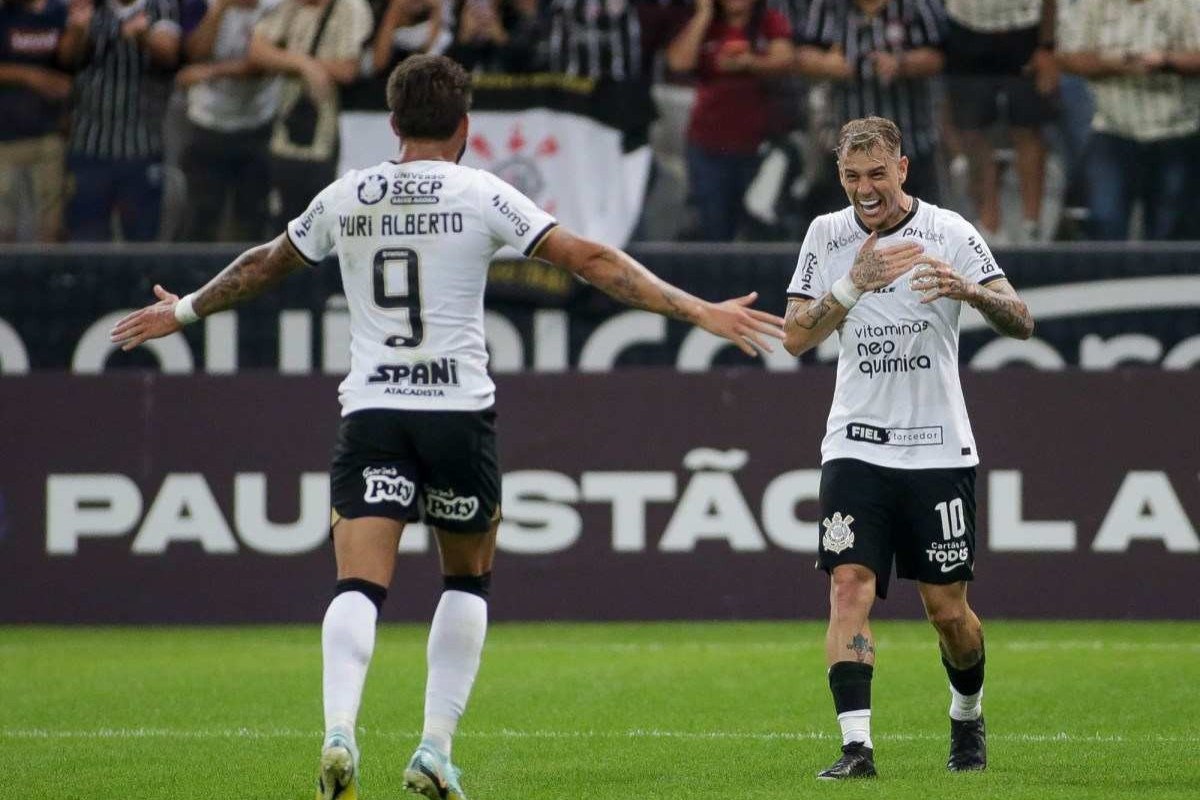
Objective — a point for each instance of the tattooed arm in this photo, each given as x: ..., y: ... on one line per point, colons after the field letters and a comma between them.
x: 252, y: 272
x: 1002, y: 308
x: 998, y: 302
x: 809, y: 322
x: 621, y: 277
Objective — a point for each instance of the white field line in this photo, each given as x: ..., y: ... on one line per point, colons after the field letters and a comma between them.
x: 882, y: 644
x: 507, y: 733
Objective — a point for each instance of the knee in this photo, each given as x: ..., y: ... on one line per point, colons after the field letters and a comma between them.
x: 949, y: 617
x: 851, y: 589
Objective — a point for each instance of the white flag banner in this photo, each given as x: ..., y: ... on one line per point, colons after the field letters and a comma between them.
x: 569, y: 164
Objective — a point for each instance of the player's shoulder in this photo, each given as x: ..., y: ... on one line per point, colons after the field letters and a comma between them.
x: 945, y: 220
x: 834, y: 232
x: 834, y: 221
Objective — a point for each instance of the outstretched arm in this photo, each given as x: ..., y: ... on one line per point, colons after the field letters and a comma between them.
x: 618, y: 275
x: 254, y: 271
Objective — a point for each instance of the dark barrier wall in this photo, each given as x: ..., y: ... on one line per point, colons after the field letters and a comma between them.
x: 1096, y: 307
x: 640, y: 494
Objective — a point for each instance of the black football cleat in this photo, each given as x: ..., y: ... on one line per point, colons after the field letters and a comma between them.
x: 857, y: 761
x: 968, y: 745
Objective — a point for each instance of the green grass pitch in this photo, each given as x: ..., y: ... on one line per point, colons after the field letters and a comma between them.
x: 707, y: 710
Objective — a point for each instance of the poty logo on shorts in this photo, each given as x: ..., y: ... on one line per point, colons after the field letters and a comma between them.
x: 444, y: 504
x: 386, y: 484
x: 838, y: 535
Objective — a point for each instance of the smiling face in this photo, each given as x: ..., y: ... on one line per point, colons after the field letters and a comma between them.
x: 873, y: 180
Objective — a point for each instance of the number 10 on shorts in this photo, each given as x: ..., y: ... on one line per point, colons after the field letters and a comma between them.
x: 954, y: 523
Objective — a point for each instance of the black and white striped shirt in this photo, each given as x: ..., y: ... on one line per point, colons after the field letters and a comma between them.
x: 120, y: 98
x: 995, y: 16
x: 595, y: 39
x: 1160, y: 105
x: 899, y: 25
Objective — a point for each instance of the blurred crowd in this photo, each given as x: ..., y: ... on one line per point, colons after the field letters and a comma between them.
x: 207, y: 120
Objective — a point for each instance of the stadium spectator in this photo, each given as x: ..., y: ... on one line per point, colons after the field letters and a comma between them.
x: 407, y: 448
x: 496, y: 35
x: 231, y: 108
x: 1000, y: 66
x: 407, y: 27
x: 881, y: 56
x: 33, y: 94
x: 599, y: 39
x: 1142, y: 59
x: 1075, y: 111
x: 731, y: 45
x: 125, y: 51
x: 315, y: 45
x: 898, y: 458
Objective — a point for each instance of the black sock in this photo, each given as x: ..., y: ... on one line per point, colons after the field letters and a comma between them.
x: 850, y: 682
x: 966, y: 681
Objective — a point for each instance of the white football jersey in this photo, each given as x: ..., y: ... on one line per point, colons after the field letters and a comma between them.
x: 414, y: 241
x: 898, y: 401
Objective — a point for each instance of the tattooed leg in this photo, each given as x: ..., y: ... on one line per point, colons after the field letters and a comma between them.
x: 862, y: 648
x: 851, y: 595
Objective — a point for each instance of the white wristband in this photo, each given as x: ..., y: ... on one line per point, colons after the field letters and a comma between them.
x: 845, y: 292
x: 184, y: 312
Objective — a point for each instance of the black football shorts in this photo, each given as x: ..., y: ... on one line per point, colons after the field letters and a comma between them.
x: 439, y: 467
x: 923, y: 519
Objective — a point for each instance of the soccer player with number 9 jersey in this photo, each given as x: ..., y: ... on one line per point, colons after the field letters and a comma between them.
x: 414, y: 238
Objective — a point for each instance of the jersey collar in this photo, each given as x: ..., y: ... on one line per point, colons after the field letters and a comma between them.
x: 912, y: 212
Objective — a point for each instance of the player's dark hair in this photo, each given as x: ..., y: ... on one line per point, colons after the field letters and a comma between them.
x: 866, y: 134
x: 428, y: 96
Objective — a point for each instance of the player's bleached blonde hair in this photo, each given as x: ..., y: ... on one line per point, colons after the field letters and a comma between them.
x: 866, y: 134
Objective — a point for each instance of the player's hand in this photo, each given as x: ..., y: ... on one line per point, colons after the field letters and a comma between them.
x: 875, y: 268
x: 746, y: 327
x: 938, y: 279
x: 151, y: 322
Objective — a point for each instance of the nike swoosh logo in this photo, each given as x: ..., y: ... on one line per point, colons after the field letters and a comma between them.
x: 951, y: 567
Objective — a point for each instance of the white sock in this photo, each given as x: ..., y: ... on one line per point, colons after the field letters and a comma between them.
x: 347, y: 641
x: 856, y: 727
x: 455, y: 645
x: 966, y: 706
